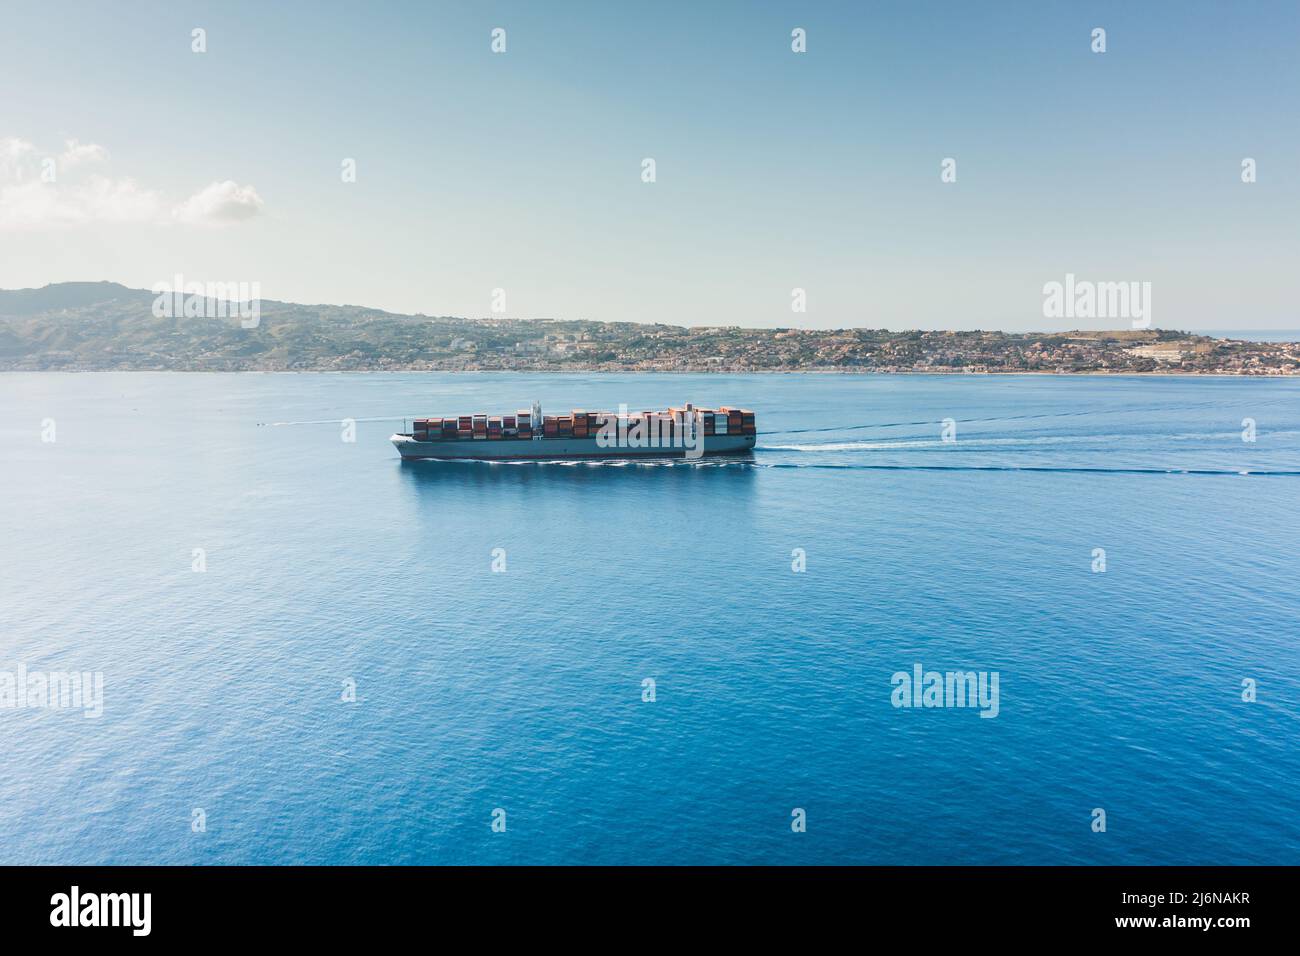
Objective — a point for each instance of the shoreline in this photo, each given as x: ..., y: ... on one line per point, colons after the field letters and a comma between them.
x: 597, y: 371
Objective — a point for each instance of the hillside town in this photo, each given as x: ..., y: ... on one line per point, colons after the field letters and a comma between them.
x: 595, y: 346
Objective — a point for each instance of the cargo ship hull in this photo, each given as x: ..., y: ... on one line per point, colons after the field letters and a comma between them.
x: 515, y: 449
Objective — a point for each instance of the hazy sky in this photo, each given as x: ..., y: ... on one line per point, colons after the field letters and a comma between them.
x: 775, y: 170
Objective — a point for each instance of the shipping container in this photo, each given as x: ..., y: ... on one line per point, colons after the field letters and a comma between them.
x: 668, y: 425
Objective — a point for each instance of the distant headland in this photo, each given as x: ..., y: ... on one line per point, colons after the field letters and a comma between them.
x: 94, y: 326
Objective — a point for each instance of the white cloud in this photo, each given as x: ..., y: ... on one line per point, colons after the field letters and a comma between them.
x: 14, y: 155
x: 97, y: 199
x: 12, y: 147
x: 220, y: 202
x: 38, y: 191
x: 74, y: 154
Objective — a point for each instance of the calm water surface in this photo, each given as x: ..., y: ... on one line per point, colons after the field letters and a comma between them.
x: 329, y: 561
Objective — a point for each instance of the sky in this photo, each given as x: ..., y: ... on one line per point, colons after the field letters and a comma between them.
x: 523, y: 170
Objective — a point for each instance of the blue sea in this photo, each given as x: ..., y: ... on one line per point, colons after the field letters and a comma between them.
x: 234, y: 581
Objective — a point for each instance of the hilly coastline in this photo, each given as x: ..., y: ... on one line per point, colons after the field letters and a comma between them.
x: 90, y: 326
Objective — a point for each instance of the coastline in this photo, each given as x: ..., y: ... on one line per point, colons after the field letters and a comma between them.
x: 571, y: 370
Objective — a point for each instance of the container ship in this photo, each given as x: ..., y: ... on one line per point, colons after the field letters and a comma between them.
x: 686, y: 432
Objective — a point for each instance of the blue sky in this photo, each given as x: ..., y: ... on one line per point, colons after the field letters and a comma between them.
x: 775, y: 170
